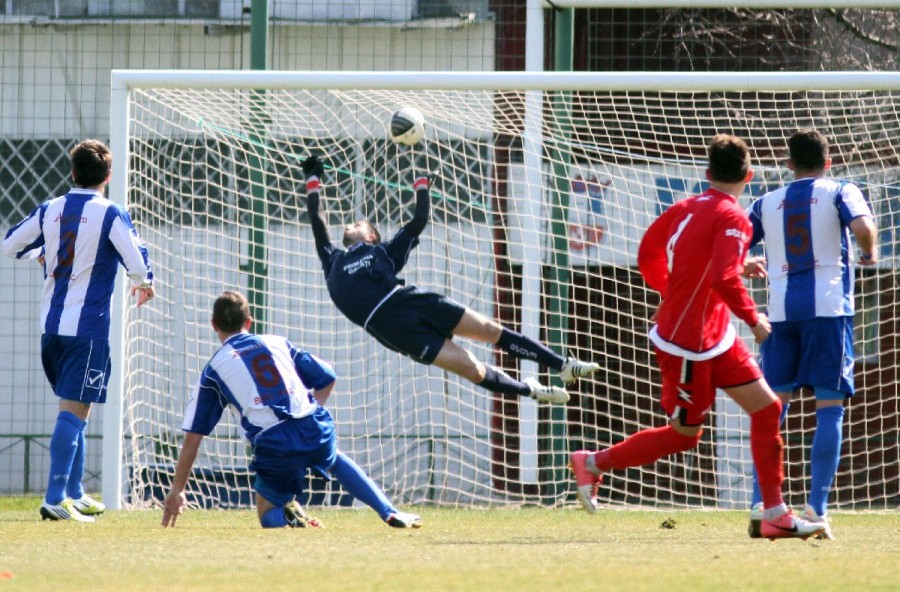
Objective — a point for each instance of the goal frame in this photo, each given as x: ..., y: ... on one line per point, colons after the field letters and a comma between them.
x: 123, y: 82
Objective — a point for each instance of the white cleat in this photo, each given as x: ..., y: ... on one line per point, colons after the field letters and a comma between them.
x: 556, y: 395
x: 296, y: 517
x: 404, y: 520
x: 64, y: 510
x: 810, y: 515
x: 574, y: 369
x: 89, y: 506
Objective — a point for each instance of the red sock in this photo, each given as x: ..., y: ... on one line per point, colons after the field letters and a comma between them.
x: 768, y: 453
x: 645, y: 447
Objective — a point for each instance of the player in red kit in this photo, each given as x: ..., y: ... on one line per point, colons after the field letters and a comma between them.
x: 693, y: 256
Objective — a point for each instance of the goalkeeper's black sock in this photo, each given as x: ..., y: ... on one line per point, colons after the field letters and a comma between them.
x: 527, y: 348
x: 498, y: 381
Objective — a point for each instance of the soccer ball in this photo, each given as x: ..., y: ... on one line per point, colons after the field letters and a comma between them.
x: 407, y: 126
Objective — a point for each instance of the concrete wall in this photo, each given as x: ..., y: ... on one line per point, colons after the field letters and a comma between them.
x: 54, y: 79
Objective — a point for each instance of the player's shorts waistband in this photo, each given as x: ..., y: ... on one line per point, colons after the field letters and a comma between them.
x: 676, y: 350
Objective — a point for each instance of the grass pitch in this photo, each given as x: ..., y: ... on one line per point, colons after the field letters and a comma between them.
x: 468, y: 550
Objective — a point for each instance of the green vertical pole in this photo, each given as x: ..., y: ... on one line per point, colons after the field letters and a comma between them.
x: 259, y: 34
x: 558, y: 274
x: 257, y: 267
x: 26, y: 467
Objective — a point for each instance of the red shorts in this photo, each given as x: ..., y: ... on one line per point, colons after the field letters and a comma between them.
x: 689, y: 387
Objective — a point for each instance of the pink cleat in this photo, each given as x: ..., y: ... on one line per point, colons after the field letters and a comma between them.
x: 788, y: 526
x: 586, y: 482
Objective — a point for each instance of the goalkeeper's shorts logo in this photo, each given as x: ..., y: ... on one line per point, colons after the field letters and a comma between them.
x: 94, y: 379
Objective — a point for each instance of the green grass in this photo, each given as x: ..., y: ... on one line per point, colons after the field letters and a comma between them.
x: 477, y: 550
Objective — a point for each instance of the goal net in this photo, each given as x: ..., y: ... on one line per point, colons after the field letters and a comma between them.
x: 543, y: 187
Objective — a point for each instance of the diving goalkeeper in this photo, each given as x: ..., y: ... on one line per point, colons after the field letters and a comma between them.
x: 363, y: 284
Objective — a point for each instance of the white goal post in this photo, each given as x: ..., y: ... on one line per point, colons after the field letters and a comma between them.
x: 534, y: 224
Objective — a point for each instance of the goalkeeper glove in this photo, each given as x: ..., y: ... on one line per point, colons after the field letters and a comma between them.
x: 312, y: 167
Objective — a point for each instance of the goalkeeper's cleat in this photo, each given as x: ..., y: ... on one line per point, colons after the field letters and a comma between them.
x: 788, y: 526
x: 404, y: 520
x: 756, y: 518
x: 89, y: 506
x: 64, y: 510
x: 296, y: 517
x: 574, y: 369
x: 586, y: 481
x: 810, y: 515
x: 547, y: 394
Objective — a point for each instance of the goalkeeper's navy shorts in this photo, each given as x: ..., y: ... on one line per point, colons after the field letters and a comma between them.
x: 415, y: 323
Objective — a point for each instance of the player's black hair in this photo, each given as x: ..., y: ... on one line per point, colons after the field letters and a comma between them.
x: 91, y: 163
x: 729, y: 159
x: 808, y: 150
x: 230, y: 311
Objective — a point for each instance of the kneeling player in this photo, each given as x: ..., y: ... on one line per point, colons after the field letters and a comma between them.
x: 276, y: 391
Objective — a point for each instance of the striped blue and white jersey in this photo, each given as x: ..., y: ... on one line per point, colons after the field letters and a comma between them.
x: 809, y: 256
x: 83, y: 238
x: 263, y: 379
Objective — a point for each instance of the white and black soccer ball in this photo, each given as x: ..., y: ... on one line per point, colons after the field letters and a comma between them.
x: 407, y: 126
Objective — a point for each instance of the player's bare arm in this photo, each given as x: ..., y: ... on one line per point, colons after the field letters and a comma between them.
x: 145, y: 293
x: 863, y: 228
x: 754, y: 268
x: 176, y: 501
x: 321, y: 395
x: 762, y: 329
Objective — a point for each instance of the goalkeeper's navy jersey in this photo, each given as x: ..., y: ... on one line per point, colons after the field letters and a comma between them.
x: 361, y: 278
x: 266, y: 382
x: 83, y: 238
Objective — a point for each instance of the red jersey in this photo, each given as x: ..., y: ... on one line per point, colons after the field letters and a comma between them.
x: 693, y: 255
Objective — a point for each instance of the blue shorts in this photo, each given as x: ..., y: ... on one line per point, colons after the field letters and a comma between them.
x: 416, y: 323
x: 816, y: 353
x: 281, y: 474
x: 77, y: 367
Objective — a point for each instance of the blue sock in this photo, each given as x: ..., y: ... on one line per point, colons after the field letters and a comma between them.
x: 360, y: 486
x: 274, y: 518
x: 74, y: 488
x: 63, y: 445
x: 756, y: 496
x: 825, y: 455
